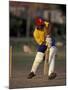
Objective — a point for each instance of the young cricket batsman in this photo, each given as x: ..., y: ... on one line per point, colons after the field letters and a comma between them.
x: 42, y: 36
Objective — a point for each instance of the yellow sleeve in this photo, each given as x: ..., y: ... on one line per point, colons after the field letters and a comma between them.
x: 37, y: 37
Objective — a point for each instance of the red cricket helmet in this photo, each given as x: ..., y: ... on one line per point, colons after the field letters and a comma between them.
x: 39, y: 21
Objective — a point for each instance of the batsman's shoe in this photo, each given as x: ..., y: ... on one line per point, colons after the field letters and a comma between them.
x: 52, y: 76
x: 31, y: 75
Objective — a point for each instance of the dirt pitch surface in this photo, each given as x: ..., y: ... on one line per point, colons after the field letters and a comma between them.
x: 21, y: 68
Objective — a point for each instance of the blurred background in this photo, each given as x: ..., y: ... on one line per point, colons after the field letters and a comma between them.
x: 22, y: 15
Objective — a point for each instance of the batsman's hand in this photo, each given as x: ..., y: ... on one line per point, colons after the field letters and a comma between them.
x: 48, y: 41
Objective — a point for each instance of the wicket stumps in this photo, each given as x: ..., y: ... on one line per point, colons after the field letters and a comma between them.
x: 10, y: 62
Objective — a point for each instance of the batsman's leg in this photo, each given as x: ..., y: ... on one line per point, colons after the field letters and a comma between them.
x: 37, y: 61
x: 52, y: 54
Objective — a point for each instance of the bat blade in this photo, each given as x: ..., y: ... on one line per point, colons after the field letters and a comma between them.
x: 46, y: 64
x: 46, y: 67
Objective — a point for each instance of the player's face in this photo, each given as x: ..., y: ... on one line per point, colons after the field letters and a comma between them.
x: 41, y: 27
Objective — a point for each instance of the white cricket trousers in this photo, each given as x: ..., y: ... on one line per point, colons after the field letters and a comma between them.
x: 52, y: 54
x: 37, y: 61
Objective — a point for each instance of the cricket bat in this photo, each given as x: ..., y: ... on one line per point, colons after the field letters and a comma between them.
x: 46, y: 64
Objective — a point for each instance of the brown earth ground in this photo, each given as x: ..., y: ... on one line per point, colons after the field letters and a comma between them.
x: 21, y: 68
